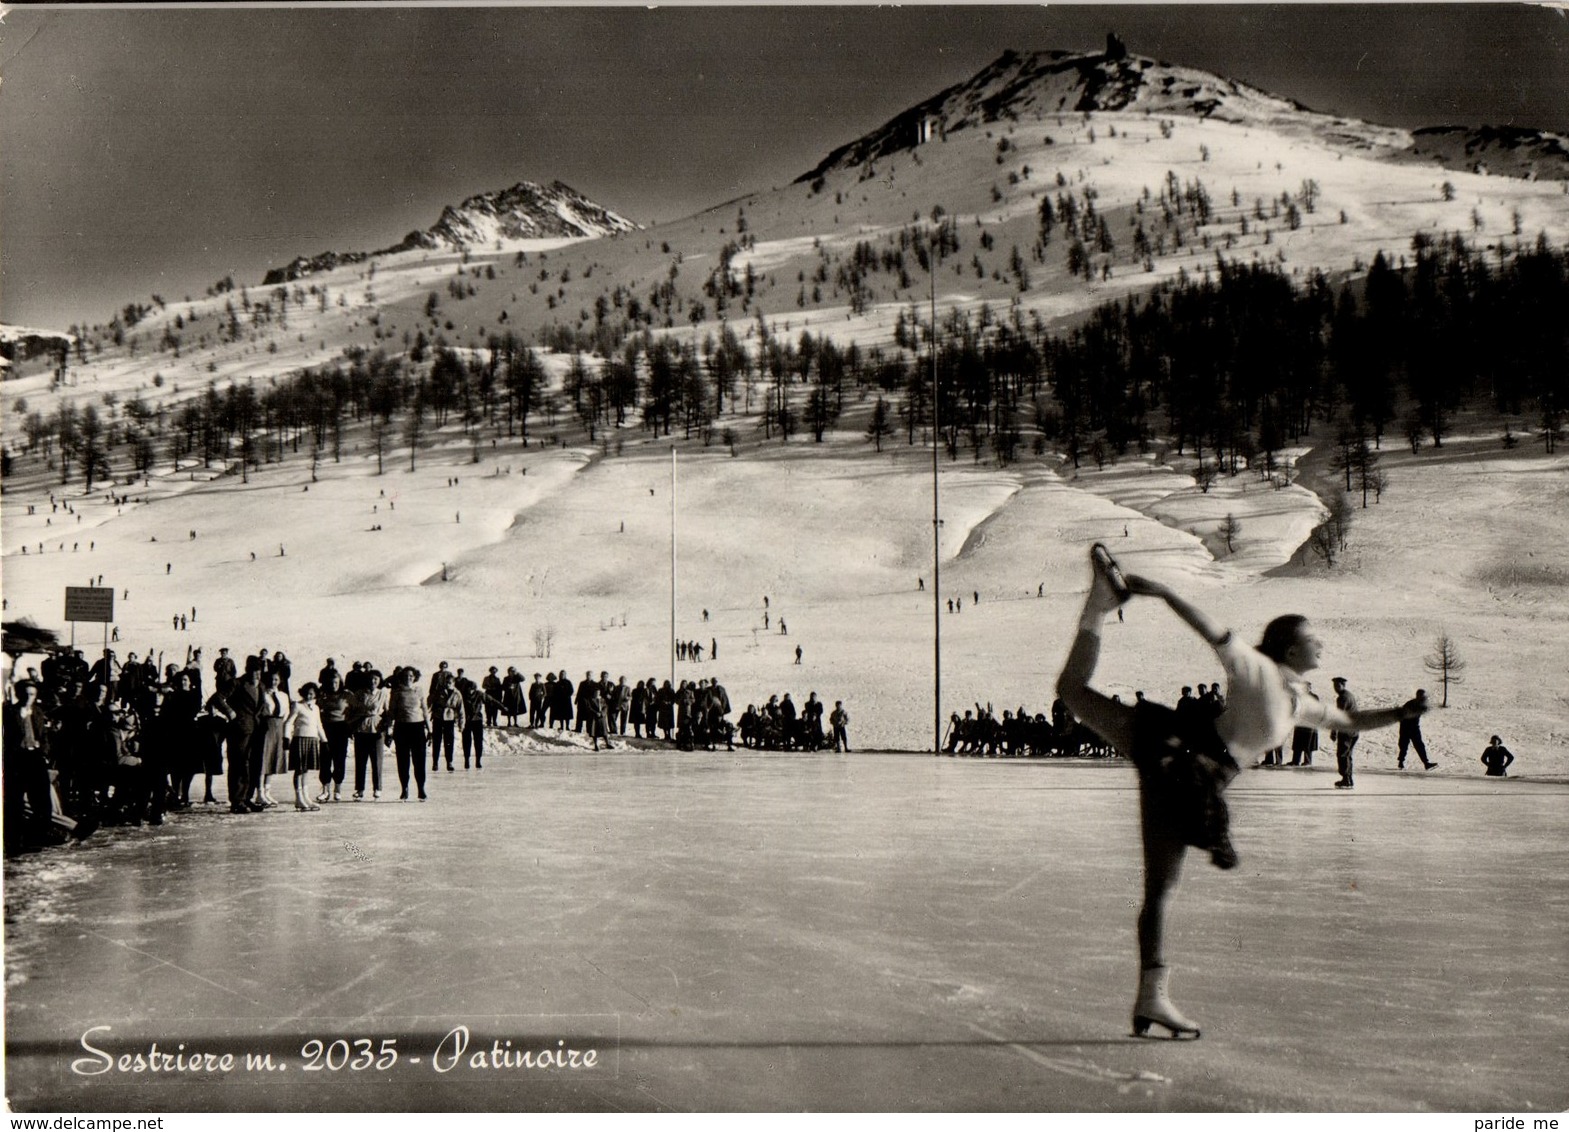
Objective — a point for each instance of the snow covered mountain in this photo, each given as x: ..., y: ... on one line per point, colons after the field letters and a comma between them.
x: 488, y: 221
x: 526, y: 211
x: 1021, y: 85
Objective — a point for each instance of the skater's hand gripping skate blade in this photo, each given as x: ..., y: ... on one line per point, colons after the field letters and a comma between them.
x: 1106, y: 567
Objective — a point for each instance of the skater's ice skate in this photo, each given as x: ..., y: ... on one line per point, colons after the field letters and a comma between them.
x: 1154, y: 1008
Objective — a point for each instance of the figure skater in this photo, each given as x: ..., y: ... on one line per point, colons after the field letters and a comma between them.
x: 1185, y: 761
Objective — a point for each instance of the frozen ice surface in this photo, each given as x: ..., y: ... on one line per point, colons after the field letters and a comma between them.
x: 771, y: 931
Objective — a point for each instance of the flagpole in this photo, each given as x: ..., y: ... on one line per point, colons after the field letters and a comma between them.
x: 672, y: 566
x: 936, y: 527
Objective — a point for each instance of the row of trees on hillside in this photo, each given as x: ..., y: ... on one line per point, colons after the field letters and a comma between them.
x: 1231, y: 365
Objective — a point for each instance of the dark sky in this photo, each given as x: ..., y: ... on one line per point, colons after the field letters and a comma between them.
x: 157, y: 150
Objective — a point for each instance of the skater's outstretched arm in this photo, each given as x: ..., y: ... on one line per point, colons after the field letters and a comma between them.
x: 1199, y: 621
x: 1111, y: 720
x: 1372, y: 720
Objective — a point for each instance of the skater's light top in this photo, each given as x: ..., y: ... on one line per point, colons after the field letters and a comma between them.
x: 1267, y: 698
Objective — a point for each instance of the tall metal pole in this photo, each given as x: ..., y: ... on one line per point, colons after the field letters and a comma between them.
x: 936, y: 529
x: 672, y: 566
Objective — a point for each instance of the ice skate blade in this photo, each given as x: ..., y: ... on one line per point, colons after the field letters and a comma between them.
x: 1174, y: 1032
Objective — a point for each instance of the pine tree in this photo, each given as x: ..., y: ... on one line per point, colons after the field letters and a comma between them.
x: 1444, y: 661
x: 880, y: 425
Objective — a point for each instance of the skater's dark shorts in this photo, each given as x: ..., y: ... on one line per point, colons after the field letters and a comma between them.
x: 1183, y: 768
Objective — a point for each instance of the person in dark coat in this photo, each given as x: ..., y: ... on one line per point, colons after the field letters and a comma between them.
x: 211, y: 728
x: 665, y: 709
x: 538, y: 698
x: 28, y: 806
x: 176, y: 749
x: 787, y: 717
x: 1304, y: 741
x: 1345, y: 741
x: 475, y: 703
x: 638, y: 709
x: 514, y: 702
x: 224, y: 672
x: 561, y: 706
x: 1496, y: 758
x: 1411, y: 731
x: 247, y: 733
x: 584, y: 693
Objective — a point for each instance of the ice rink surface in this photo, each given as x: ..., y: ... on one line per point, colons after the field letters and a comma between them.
x: 820, y: 932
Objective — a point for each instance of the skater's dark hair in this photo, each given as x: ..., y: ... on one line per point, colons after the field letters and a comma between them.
x: 1280, y: 634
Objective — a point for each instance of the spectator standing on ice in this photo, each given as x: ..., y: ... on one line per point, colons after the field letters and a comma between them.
x: 839, y: 720
x: 176, y: 749
x: 534, y: 702
x: 436, y: 677
x: 305, y: 735
x: 492, y: 687
x: 280, y: 665
x: 1345, y: 740
x: 334, y: 706
x: 621, y: 707
x: 223, y: 671
x: 787, y: 718
x: 514, y: 703
x: 28, y: 805
x: 665, y: 709
x: 1304, y: 741
x: 369, y: 708
x: 812, y: 721
x: 212, y: 726
x: 561, y: 706
x: 408, y: 720
x: 582, y: 700
x: 474, y: 704
x: 247, y: 732
x: 446, y: 720
x: 1411, y: 732
x: 1496, y: 758
x: 598, y: 722
x: 275, y: 752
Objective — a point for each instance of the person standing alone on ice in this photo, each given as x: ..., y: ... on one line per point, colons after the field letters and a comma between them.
x: 1185, y: 763
x: 839, y: 720
x: 1411, y: 732
x: 1496, y: 758
x: 1345, y: 741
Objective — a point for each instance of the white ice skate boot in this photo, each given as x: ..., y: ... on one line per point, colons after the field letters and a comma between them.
x: 1155, y: 1008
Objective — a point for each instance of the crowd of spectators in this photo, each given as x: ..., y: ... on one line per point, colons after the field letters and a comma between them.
x: 779, y: 726
x: 1019, y: 734
x: 128, y: 742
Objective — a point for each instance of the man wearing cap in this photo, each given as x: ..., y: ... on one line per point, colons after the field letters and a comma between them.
x: 1345, y: 741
